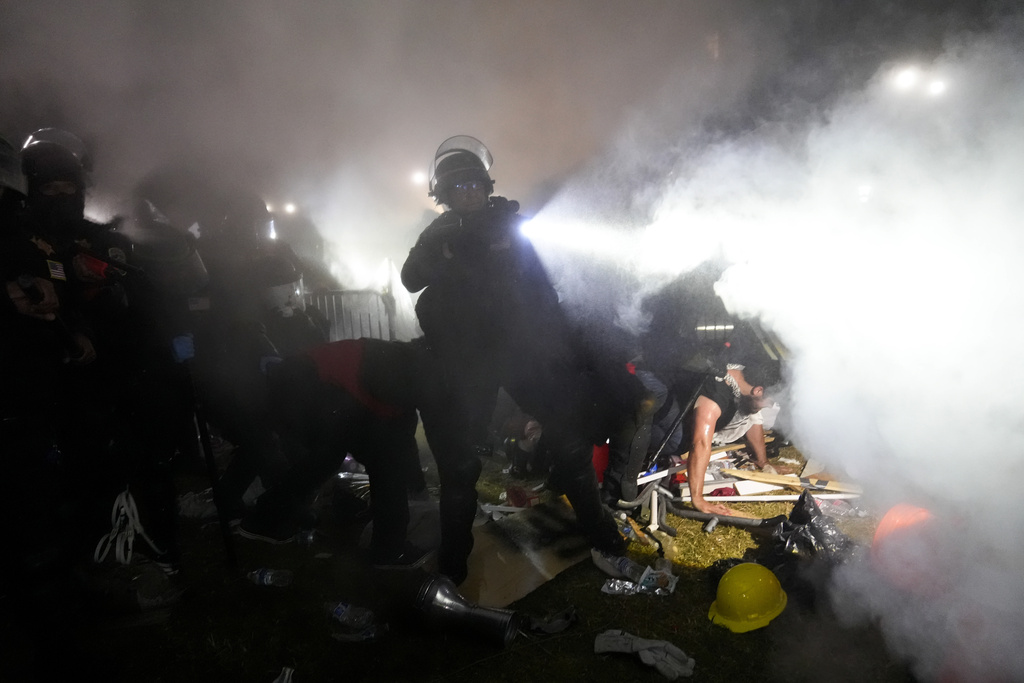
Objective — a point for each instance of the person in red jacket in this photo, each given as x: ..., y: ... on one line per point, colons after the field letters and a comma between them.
x: 355, y: 397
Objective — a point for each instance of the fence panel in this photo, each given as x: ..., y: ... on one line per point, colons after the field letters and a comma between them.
x: 355, y: 313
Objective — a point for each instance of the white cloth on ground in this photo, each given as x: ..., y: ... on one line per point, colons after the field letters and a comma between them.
x: 668, y: 659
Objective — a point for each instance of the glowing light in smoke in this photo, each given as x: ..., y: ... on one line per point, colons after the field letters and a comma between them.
x: 357, y: 271
x: 270, y: 208
x: 582, y: 236
x: 854, y: 250
x: 672, y: 244
x: 906, y: 78
x: 913, y: 79
x: 273, y: 231
x: 419, y: 178
x: 289, y: 208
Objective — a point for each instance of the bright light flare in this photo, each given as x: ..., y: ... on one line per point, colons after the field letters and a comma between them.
x: 361, y: 272
x: 419, y: 178
x: 936, y: 88
x: 906, y: 78
x: 665, y: 247
x: 577, y: 236
x: 289, y: 208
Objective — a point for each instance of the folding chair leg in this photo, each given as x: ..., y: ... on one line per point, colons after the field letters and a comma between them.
x: 655, y: 513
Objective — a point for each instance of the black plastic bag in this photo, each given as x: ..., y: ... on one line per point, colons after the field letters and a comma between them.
x: 810, y: 533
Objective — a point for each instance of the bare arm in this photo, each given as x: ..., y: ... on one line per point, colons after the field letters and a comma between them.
x: 705, y: 413
x: 755, y: 441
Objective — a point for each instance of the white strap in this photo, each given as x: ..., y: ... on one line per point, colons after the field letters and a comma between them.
x: 124, y: 521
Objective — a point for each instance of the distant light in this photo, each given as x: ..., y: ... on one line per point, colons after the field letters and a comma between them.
x: 906, y: 78
x: 270, y: 208
x: 273, y: 231
x: 864, y: 193
x: 419, y: 178
x: 936, y: 87
x: 289, y: 208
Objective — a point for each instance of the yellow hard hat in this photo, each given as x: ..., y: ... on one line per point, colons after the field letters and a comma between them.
x: 749, y: 596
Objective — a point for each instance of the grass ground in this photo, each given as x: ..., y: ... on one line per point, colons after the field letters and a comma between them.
x: 230, y: 630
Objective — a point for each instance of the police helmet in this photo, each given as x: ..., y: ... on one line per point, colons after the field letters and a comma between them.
x: 51, y: 154
x: 241, y: 224
x: 458, y: 159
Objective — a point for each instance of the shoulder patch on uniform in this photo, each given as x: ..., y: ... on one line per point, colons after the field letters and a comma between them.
x: 56, y: 270
x: 43, y: 245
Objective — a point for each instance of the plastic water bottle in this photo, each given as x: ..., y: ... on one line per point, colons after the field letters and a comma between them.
x: 347, y: 614
x: 617, y: 565
x: 271, y: 577
x: 626, y: 528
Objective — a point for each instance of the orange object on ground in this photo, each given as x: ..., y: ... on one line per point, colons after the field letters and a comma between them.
x: 899, y: 517
x: 905, y: 550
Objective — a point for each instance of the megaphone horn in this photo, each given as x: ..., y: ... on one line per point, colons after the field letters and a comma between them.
x: 442, y: 603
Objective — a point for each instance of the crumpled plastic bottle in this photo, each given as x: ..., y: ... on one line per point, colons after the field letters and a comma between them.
x: 271, y: 577
x: 347, y: 614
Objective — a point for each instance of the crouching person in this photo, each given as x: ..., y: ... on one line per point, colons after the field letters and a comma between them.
x: 347, y: 397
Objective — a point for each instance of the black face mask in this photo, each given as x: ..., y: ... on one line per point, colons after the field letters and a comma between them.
x: 58, y: 214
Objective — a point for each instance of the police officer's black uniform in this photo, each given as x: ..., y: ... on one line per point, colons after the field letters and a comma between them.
x: 491, y: 318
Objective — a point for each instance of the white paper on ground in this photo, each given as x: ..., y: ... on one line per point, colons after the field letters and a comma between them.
x: 812, y: 467
x: 749, y: 488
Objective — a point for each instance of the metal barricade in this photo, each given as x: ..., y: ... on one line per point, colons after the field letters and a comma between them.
x: 355, y: 313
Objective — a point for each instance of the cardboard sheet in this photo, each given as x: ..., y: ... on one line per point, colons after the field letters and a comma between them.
x: 517, y: 554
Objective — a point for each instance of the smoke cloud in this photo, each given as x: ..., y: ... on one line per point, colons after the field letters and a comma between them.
x: 870, y: 217
x: 334, y: 106
x: 878, y: 236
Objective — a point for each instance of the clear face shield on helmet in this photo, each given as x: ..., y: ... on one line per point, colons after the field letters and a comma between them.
x: 459, y: 144
x: 35, y: 152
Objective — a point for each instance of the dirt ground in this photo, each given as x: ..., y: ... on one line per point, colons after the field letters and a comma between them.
x: 227, y: 629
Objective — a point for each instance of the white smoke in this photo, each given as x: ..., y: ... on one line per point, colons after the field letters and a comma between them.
x: 882, y: 243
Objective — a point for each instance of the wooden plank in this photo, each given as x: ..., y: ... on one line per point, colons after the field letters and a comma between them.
x: 803, y: 482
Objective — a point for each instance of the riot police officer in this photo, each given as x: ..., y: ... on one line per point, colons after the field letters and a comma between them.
x: 38, y: 511
x: 491, y: 318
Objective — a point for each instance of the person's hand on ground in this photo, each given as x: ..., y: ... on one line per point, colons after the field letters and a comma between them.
x: 712, y: 508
